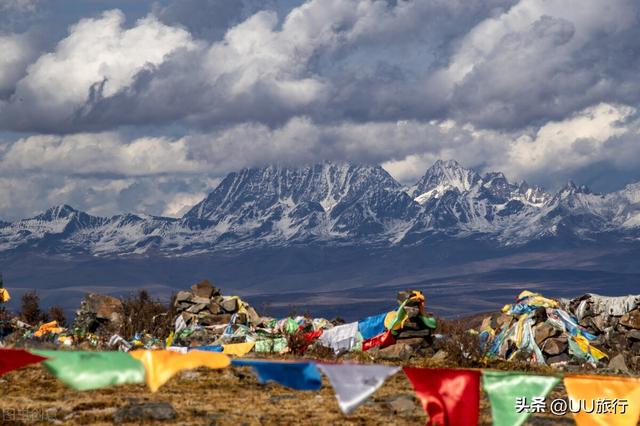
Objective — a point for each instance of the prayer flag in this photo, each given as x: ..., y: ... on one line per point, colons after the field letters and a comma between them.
x: 82, y: 370
x: 450, y: 397
x: 162, y: 365
x: 602, y: 400
x: 12, y: 359
x: 296, y: 375
x: 506, y: 389
x: 353, y: 383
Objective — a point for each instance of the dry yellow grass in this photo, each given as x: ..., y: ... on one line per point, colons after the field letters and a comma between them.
x: 204, y: 397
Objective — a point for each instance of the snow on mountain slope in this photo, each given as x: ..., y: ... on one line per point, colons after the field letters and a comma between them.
x: 322, y: 201
x: 339, y: 203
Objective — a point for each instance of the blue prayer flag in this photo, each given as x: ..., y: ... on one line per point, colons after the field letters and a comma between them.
x: 296, y: 375
x: 371, y: 326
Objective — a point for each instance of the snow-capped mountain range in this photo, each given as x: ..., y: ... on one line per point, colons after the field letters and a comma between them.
x: 340, y: 203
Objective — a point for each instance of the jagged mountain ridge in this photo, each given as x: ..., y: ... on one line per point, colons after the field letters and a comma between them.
x: 339, y: 203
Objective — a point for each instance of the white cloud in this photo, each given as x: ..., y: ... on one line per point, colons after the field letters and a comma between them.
x: 97, y: 54
x: 17, y: 54
x: 569, y: 144
x: 98, y: 153
x: 181, y: 203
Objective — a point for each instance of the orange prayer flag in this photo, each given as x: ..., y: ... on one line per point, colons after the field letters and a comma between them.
x: 604, y: 401
x: 162, y: 365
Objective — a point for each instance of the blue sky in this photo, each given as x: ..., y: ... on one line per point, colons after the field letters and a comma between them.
x: 143, y: 106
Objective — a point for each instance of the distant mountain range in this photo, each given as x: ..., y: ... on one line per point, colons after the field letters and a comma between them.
x: 341, y: 239
x: 340, y: 204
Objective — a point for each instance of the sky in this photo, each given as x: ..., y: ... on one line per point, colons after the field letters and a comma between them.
x: 143, y: 106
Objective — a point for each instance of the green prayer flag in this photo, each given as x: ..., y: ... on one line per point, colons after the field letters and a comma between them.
x: 290, y: 326
x: 83, y: 370
x: 271, y: 345
x: 429, y: 321
x: 508, y: 390
x: 401, y: 314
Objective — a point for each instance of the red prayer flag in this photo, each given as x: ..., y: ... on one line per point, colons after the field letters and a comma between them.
x: 450, y: 397
x: 311, y: 336
x: 12, y: 359
x: 383, y: 340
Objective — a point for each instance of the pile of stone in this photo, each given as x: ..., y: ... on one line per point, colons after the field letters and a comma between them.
x: 414, y: 331
x: 415, y: 338
x: 610, y: 326
x: 616, y: 322
x: 98, y: 311
x: 205, y: 306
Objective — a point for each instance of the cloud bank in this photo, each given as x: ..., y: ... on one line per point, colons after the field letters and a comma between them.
x: 147, y: 114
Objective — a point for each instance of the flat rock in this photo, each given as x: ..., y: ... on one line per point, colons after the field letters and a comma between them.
x: 139, y: 412
x: 543, y: 332
x: 631, y: 319
x: 214, y: 308
x: 197, y: 307
x: 230, y: 305
x: 617, y: 363
x: 96, y: 309
x: 199, y: 299
x: 220, y: 319
x: 397, y: 352
x: 252, y: 316
x: 412, y: 312
x: 203, y: 289
x: 554, y: 346
x: 563, y: 357
x: 415, y: 342
x: 634, y: 334
x: 183, y: 296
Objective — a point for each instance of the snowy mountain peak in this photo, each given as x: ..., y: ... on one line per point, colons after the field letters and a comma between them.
x: 571, y: 188
x: 62, y: 211
x: 339, y: 204
x: 443, y: 176
x: 533, y: 194
x: 325, y: 184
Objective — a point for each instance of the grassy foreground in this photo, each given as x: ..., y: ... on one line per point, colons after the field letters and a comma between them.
x: 206, y: 397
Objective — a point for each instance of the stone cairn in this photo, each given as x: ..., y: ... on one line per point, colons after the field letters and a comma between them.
x: 97, y: 311
x: 413, y: 339
x: 204, y: 305
x: 615, y: 321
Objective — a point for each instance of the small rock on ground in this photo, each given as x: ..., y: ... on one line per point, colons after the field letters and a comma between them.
x: 145, y: 411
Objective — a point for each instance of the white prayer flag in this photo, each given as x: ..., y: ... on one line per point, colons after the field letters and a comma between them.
x: 341, y: 338
x: 354, y: 383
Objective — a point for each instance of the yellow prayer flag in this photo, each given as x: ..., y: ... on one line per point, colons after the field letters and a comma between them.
x: 4, y: 295
x: 586, y: 347
x: 161, y: 365
x: 604, y: 401
x: 238, y: 349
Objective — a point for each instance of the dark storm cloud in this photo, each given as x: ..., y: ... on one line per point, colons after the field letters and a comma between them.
x: 359, y: 60
x: 187, y: 90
